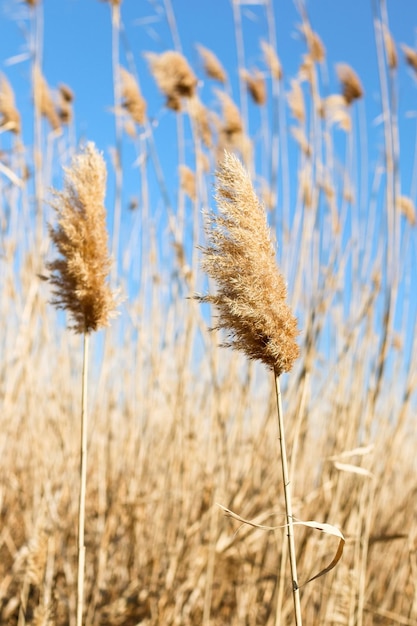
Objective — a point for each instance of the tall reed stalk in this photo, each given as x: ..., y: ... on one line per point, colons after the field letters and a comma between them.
x: 250, y: 299
x: 78, y: 277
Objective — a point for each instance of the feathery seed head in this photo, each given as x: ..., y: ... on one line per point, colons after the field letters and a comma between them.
x: 390, y: 49
x: 79, y: 275
x: 256, y: 86
x: 296, y: 101
x: 133, y: 101
x: 173, y: 76
x: 315, y: 45
x: 66, y: 98
x: 212, y: 66
x: 271, y: 60
x: 351, y: 85
x: 43, y: 99
x: 10, y: 115
x: 410, y: 56
x: 187, y: 181
x: 199, y: 115
x: 406, y: 206
x: 240, y: 257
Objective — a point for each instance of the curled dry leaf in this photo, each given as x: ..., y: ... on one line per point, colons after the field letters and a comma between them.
x: 328, y: 529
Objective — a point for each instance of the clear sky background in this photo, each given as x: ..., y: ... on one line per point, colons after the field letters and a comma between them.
x: 77, y: 46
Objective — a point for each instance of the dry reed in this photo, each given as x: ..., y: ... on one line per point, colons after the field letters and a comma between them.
x: 272, y: 61
x: 78, y: 275
x: 173, y: 76
x: 240, y: 257
x: 351, y: 85
x: 43, y: 100
x: 10, y: 115
x: 410, y: 56
x: 133, y: 101
x: 255, y: 83
x: 212, y: 66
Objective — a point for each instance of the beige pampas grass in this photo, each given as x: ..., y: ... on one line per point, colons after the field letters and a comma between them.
x: 251, y: 299
x: 410, y: 56
x: 240, y: 258
x: 315, y: 45
x: 173, y: 76
x: 200, y: 117
x: 390, y: 49
x: 187, y: 181
x: 351, y: 85
x: 296, y: 101
x: 255, y: 83
x: 271, y: 59
x: 78, y: 275
x: 212, y: 66
x: 66, y: 98
x: 43, y: 99
x: 133, y: 101
x: 10, y: 119
x: 406, y: 206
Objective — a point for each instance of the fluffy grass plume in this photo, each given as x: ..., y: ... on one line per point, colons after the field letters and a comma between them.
x: 133, y: 101
x: 79, y: 275
x: 173, y: 76
x: 10, y: 119
x: 240, y: 257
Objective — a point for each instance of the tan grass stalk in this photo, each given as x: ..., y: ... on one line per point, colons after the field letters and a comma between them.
x: 78, y: 277
x: 173, y: 76
x: 10, y: 115
x: 212, y: 66
x: 351, y: 85
x: 251, y: 297
x: 133, y: 101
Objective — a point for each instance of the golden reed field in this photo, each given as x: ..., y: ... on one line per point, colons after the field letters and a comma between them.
x: 150, y: 475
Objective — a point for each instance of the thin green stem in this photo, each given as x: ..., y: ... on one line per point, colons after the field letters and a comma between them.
x: 288, y: 506
x: 83, y: 485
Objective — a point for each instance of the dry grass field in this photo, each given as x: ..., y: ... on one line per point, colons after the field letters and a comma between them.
x: 178, y: 425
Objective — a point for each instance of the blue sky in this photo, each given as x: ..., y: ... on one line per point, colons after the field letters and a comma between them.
x: 77, y: 44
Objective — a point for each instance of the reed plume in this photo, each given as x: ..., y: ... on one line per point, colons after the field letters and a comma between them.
x: 43, y: 99
x: 66, y: 98
x: 10, y: 115
x: 410, y: 56
x: 187, y: 181
x: 78, y: 276
x: 390, y: 48
x: 351, y: 85
x: 240, y: 257
x: 271, y: 59
x: 133, y: 101
x: 212, y: 66
x: 173, y: 76
x: 255, y: 84
x: 251, y: 299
